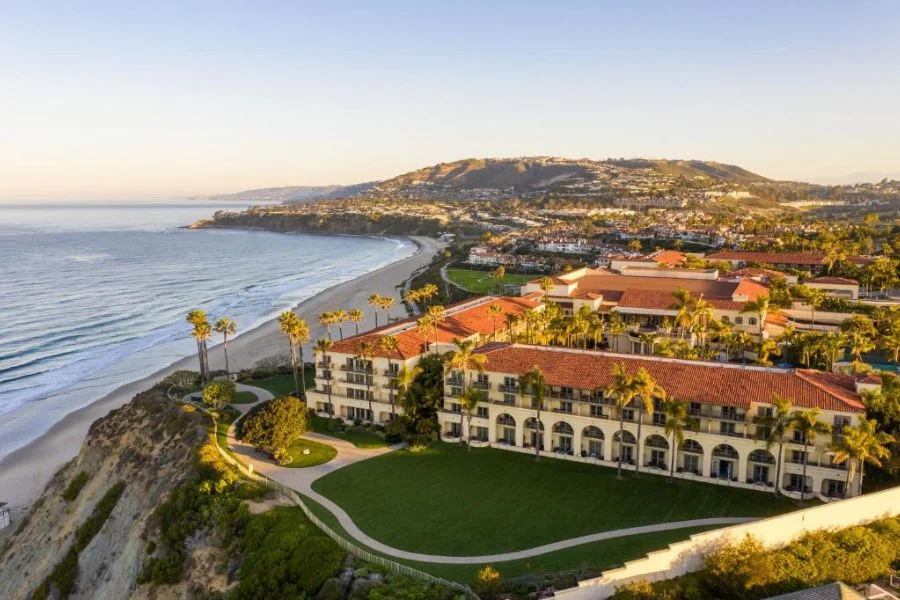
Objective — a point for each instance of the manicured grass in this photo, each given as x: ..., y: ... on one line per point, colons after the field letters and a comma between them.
x: 356, y: 436
x: 244, y: 398
x: 226, y: 417
x: 318, y: 454
x: 596, y: 556
x: 282, y: 385
x: 444, y: 500
x: 480, y: 282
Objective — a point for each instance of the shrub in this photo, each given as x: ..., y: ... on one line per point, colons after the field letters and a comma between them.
x: 74, y: 488
x: 273, y: 426
x: 487, y: 583
x: 395, y: 431
x: 182, y: 381
x: 219, y: 393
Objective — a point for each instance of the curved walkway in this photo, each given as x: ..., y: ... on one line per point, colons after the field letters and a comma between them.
x: 301, y: 480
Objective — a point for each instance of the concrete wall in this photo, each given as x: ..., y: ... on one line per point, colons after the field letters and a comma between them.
x: 687, y: 556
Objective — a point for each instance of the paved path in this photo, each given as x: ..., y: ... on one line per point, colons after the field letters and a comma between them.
x: 301, y: 480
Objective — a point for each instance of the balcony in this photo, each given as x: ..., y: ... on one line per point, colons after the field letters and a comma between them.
x: 456, y: 381
x: 357, y: 369
x: 508, y: 389
x: 481, y: 385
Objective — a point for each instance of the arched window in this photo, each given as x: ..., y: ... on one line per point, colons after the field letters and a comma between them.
x: 725, y: 451
x: 725, y: 319
x: 506, y: 419
x: 692, y: 447
x: 657, y: 441
x: 761, y: 456
x: 533, y: 423
x: 563, y: 427
x: 627, y: 437
x: 752, y: 320
x: 594, y: 433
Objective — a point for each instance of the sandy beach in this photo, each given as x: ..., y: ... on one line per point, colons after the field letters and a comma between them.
x: 24, y: 472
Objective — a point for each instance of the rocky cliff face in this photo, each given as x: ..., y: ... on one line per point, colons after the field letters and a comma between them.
x: 149, y: 444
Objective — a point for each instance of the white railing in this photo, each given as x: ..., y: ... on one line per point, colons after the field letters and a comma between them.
x: 365, y: 555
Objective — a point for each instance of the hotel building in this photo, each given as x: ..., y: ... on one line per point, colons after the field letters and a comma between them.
x: 579, y: 422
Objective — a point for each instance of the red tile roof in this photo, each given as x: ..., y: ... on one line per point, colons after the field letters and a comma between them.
x: 838, y: 280
x: 668, y: 257
x: 755, y: 272
x: 696, y: 381
x: 464, y: 320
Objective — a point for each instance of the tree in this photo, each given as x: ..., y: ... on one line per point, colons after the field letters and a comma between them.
x: 635, y: 245
x: 340, y: 317
x: 326, y: 320
x: 375, y: 302
x: 771, y: 428
x: 321, y: 348
x: 510, y: 320
x: 534, y: 382
x: 406, y: 376
x: 201, y: 333
x: 488, y: 583
x: 390, y: 346
x: 226, y: 327
x: 622, y: 391
x: 646, y: 391
x: 546, y: 285
x: 678, y: 419
x: 808, y: 424
x: 386, y: 303
x: 272, y: 427
x: 469, y: 401
x: 860, y: 333
x: 494, y: 311
x: 765, y: 349
x: 297, y: 332
x: 814, y: 298
x: 761, y: 306
x: 218, y: 393
x: 464, y: 359
x: 616, y: 328
x: 498, y: 275
x: 365, y: 351
x: 683, y: 306
x: 859, y: 445
x: 437, y: 315
x: 356, y: 316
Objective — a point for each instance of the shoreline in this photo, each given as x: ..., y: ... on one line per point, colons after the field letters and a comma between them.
x: 25, y: 471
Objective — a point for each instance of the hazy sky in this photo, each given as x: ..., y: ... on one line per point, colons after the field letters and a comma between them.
x: 140, y: 100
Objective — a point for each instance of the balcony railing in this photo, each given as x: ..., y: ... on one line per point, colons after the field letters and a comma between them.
x: 508, y: 389
x: 356, y: 369
x: 481, y: 385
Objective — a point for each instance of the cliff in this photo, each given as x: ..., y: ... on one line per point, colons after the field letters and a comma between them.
x: 150, y: 445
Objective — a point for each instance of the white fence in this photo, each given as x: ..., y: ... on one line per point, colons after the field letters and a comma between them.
x: 365, y: 555
x: 683, y: 557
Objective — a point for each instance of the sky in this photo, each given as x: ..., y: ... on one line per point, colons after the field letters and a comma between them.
x: 128, y: 100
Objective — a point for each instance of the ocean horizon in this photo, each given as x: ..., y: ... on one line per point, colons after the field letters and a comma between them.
x: 93, y: 296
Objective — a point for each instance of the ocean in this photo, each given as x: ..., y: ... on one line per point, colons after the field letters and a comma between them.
x: 92, y: 297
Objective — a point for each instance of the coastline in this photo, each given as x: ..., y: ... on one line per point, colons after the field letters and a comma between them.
x: 25, y: 471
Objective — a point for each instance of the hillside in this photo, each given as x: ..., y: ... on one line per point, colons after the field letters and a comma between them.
x: 296, y: 194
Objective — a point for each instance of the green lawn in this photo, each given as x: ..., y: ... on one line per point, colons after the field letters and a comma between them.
x: 444, y: 500
x: 244, y: 398
x: 318, y: 453
x: 356, y: 436
x: 282, y: 385
x: 480, y: 282
x: 226, y: 417
x: 597, y: 555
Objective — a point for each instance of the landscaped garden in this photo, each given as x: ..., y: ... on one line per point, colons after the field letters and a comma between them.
x: 244, y: 398
x: 482, y: 282
x: 444, y: 500
x: 359, y: 436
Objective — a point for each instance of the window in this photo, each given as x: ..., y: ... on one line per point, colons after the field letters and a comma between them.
x: 739, y: 320
x: 726, y: 428
x: 725, y: 319
x: 764, y: 411
x: 694, y: 409
x: 482, y: 412
x: 692, y: 463
x: 456, y: 391
x: 482, y: 381
x: 799, y: 437
x: 566, y: 392
x: 834, y: 489
x: 628, y: 414
x: 565, y: 407
x: 509, y: 399
x: 455, y: 429
x: 752, y: 321
x: 481, y: 434
x: 729, y: 412
x: 839, y: 423
x: 797, y: 456
x: 659, y: 418
x: 454, y: 407
x: 597, y: 411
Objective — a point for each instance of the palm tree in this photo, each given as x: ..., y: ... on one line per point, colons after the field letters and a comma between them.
x: 814, y: 298
x: 761, y: 306
x: 831, y: 344
x: 201, y: 333
x: 683, y: 306
x: 438, y: 314
x: 535, y: 382
x: 678, y: 418
x: 356, y: 315
x: 340, y: 317
x: 226, y: 327
x: 622, y: 390
x: 375, y: 301
x: 297, y: 332
x: 597, y: 327
x: 546, y: 285
x: 510, y: 320
x: 646, y: 391
x: 387, y: 302
x: 469, y: 401
x: 493, y: 311
x: 365, y: 351
x: 498, y: 275
x: 464, y: 359
x: 321, y: 348
x: 808, y: 424
x: 771, y: 428
x: 616, y: 328
x: 390, y: 346
x: 406, y: 376
x: 766, y: 348
x: 859, y: 445
x: 325, y: 320
x: 860, y: 332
